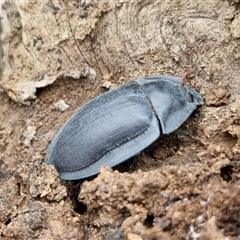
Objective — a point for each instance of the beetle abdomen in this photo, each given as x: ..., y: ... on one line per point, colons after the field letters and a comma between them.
x: 106, y: 131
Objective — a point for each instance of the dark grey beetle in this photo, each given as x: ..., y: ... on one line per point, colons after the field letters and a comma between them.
x: 119, y: 124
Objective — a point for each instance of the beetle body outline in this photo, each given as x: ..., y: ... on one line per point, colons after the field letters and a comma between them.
x: 119, y: 124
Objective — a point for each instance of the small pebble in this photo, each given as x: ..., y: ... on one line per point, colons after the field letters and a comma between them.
x: 61, y: 105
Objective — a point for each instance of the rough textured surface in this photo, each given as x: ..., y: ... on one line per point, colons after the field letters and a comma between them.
x: 177, y: 200
x: 175, y: 189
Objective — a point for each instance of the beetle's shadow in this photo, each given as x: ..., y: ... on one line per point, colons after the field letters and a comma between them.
x: 153, y: 156
x: 161, y: 153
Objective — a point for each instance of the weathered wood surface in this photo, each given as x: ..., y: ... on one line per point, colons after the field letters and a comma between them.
x: 43, y: 41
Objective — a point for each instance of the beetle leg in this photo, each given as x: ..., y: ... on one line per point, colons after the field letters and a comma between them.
x: 131, y: 163
x: 186, y: 77
x: 186, y: 133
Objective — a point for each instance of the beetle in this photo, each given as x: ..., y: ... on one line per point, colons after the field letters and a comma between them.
x: 119, y: 124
